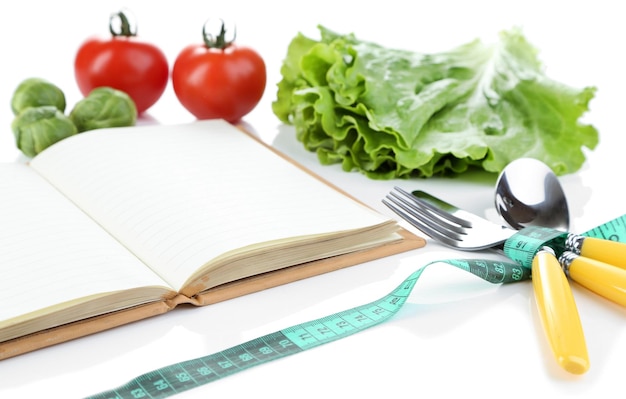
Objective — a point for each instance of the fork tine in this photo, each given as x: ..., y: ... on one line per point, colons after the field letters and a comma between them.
x: 416, y: 223
x: 424, y: 224
x: 426, y: 214
x: 446, y: 223
x: 439, y: 210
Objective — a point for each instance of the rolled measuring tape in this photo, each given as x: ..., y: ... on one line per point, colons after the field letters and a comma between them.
x: 186, y: 375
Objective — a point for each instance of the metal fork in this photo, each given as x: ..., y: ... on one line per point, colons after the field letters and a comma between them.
x: 446, y: 223
x: 463, y: 230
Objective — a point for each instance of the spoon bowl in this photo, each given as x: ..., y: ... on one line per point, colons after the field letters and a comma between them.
x: 528, y: 193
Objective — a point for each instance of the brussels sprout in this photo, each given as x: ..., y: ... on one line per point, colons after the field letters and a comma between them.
x: 104, y: 107
x: 35, y: 92
x: 37, y: 128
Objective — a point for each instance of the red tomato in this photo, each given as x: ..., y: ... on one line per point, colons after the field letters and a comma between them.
x: 223, y: 82
x: 123, y: 62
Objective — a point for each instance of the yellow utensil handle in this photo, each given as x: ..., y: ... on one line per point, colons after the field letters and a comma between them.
x: 603, y: 279
x: 559, y: 314
x: 607, y: 251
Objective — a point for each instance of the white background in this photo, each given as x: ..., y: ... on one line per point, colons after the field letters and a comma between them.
x: 457, y: 336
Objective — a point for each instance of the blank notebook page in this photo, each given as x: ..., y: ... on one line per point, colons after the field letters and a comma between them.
x: 51, y: 252
x: 178, y: 196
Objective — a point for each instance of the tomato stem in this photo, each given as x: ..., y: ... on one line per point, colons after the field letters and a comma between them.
x: 125, y: 28
x: 219, y: 41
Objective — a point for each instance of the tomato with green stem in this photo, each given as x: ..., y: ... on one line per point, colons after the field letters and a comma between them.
x: 219, y: 79
x: 123, y: 62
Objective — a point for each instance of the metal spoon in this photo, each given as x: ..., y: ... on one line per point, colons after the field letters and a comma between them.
x: 528, y: 193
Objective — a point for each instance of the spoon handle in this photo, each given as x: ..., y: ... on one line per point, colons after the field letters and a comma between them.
x: 559, y: 314
x: 602, y: 278
x: 607, y: 251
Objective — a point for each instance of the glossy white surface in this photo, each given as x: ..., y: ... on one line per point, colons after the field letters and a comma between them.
x: 457, y: 335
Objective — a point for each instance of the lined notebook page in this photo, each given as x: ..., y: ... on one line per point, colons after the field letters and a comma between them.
x: 51, y: 252
x: 178, y: 196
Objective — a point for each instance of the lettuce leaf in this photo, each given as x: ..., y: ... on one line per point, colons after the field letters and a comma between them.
x: 393, y: 113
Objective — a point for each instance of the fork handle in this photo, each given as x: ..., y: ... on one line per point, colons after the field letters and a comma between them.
x: 558, y: 313
x: 607, y: 251
x: 604, y: 279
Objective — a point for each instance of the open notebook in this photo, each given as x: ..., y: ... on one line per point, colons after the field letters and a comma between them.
x: 115, y: 225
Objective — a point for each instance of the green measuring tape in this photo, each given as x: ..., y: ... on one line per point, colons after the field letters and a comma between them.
x: 614, y: 230
x: 189, y: 374
x: 523, y: 246
x: 183, y: 376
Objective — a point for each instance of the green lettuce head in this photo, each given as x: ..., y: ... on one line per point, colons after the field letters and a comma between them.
x: 104, y: 107
x: 393, y: 113
x: 35, y: 92
x: 37, y: 128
